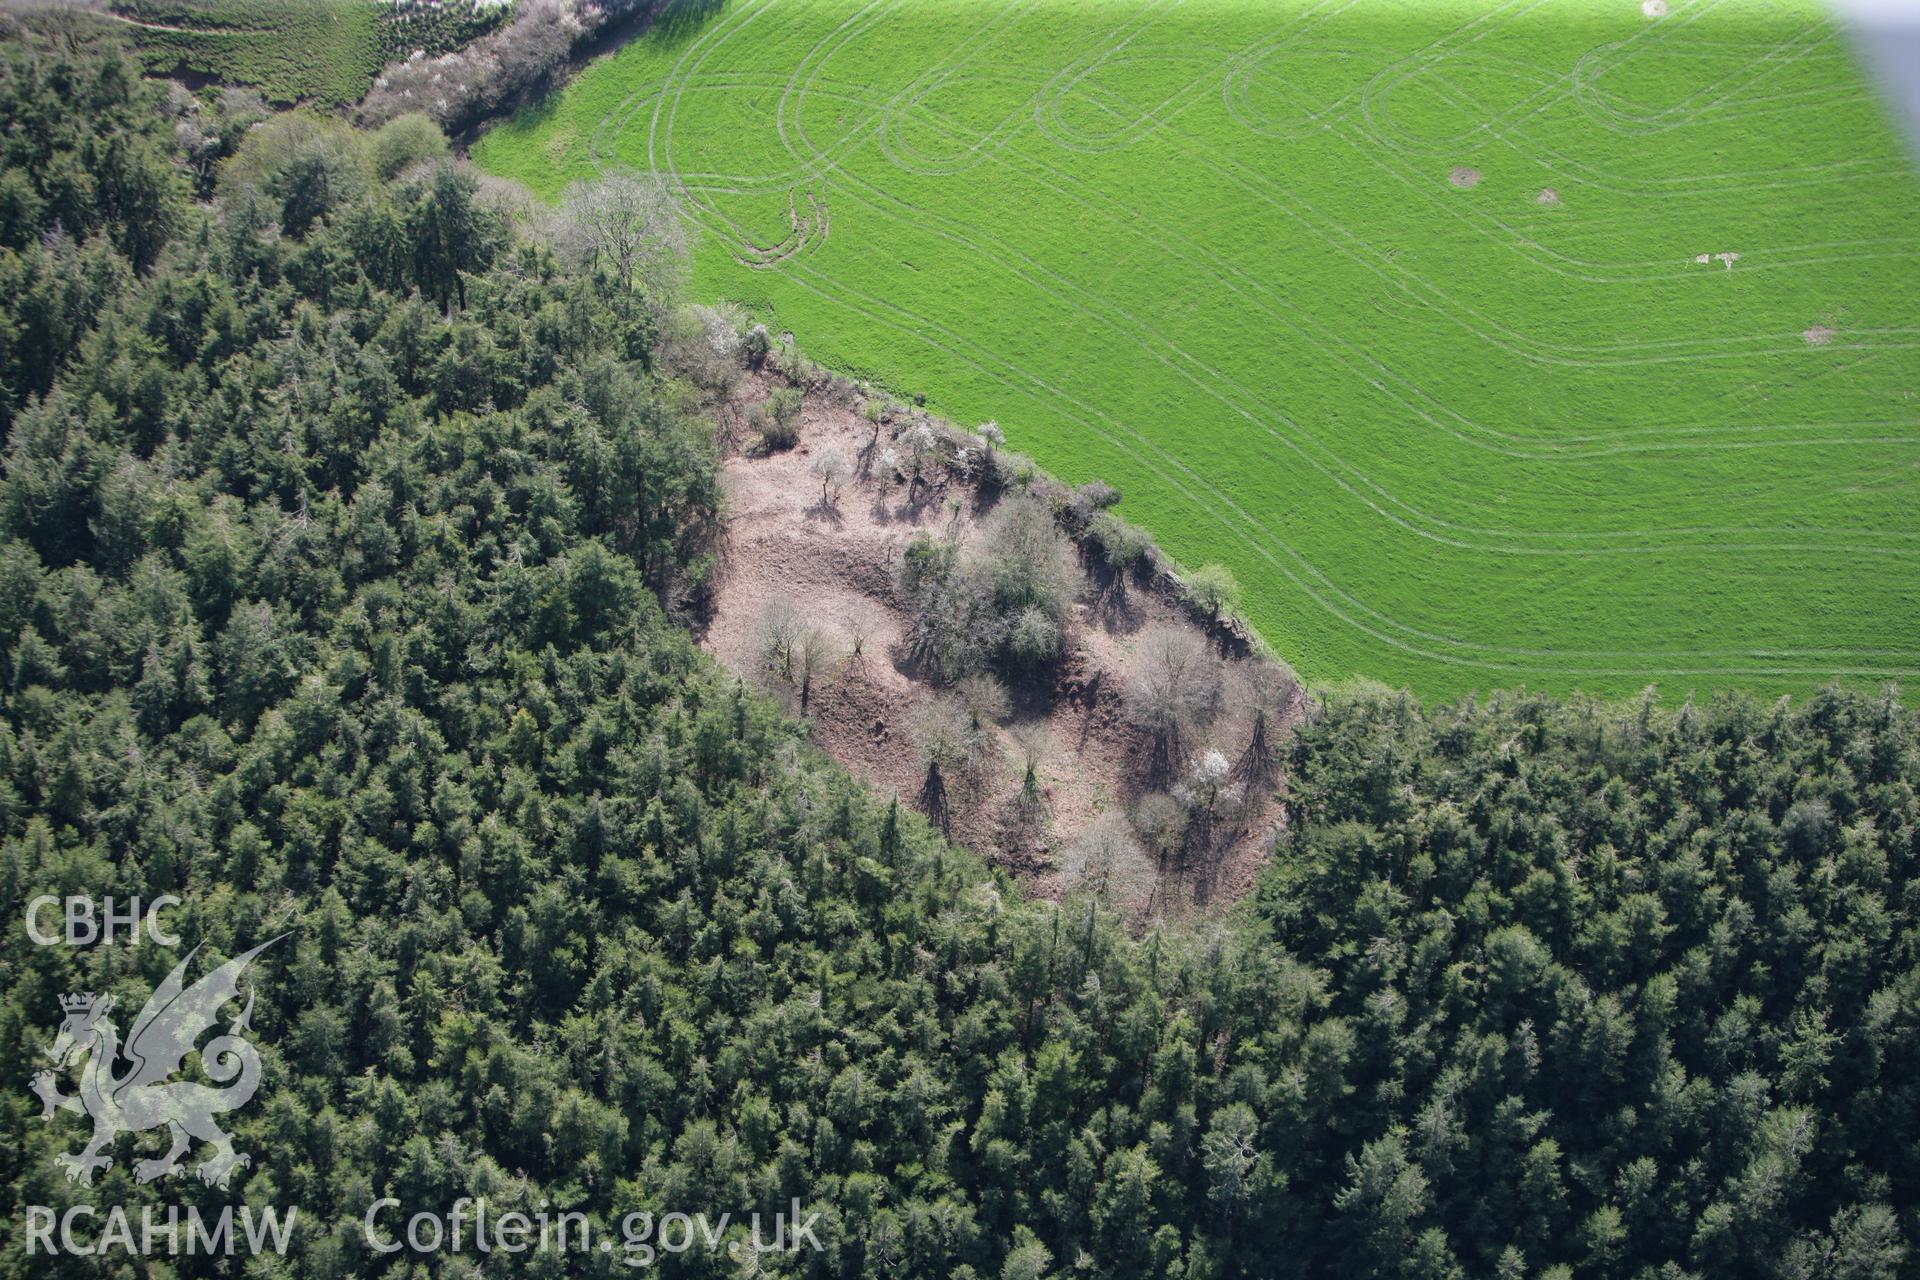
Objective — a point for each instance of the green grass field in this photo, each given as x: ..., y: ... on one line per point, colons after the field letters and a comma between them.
x: 320, y: 51
x: 1398, y: 309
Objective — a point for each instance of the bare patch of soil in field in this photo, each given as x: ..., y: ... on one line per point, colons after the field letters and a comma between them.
x: 1464, y: 177
x: 836, y: 564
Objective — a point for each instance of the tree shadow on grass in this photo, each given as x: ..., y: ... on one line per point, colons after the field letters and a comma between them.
x: 670, y: 22
x: 678, y: 19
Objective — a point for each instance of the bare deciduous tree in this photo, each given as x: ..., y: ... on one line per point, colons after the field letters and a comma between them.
x: 778, y: 627
x: 949, y: 735
x: 862, y: 621
x: 1035, y: 637
x: 1121, y: 547
x: 1175, y: 690
x: 1266, y: 688
x: 1210, y: 794
x: 1107, y: 860
x: 1030, y: 806
x: 1029, y: 560
x: 814, y: 652
x: 992, y: 440
x: 921, y: 445
x: 792, y: 651
x: 1034, y: 741
x: 1089, y: 500
x: 950, y: 744
x: 628, y: 223
x: 829, y: 467
x: 984, y: 699
x: 1161, y: 821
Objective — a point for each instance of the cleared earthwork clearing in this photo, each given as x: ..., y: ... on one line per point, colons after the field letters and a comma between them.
x: 835, y: 563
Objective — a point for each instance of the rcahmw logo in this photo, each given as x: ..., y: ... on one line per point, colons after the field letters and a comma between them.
x: 161, y: 1231
x: 129, y: 1087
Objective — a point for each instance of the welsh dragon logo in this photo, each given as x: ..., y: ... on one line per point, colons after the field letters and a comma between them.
x: 139, y: 1096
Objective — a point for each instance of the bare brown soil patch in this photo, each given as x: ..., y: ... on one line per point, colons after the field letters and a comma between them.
x: 1464, y: 177
x: 1818, y: 335
x: 836, y: 562
x: 1548, y: 196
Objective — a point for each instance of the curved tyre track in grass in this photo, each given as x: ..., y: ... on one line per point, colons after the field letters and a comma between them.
x: 1038, y: 140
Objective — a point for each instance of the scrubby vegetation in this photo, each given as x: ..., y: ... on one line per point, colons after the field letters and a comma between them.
x: 332, y: 570
x: 1011, y: 633
x: 1004, y: 604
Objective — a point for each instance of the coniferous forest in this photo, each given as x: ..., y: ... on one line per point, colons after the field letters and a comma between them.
x: 347, y: 535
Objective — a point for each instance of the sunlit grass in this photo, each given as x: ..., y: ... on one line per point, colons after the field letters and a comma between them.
x: 1393, y: 308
